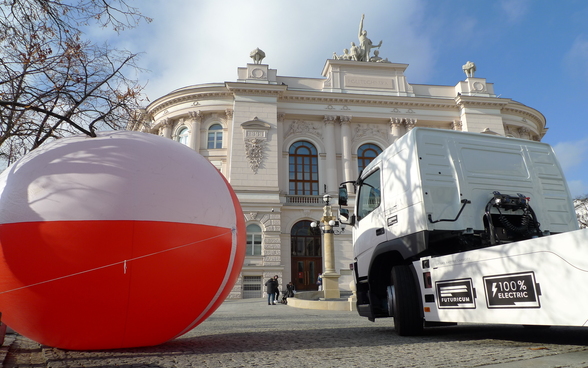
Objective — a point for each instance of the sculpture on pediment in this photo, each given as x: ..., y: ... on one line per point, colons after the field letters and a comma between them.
x: 377, y: 59
x: 346, y: 55
x: 469, y: 69
x: 355, y: 52
x: 362, y: 51
x: 257, y: 55
x: 365, y: 43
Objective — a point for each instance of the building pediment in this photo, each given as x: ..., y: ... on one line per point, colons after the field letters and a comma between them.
x: 256, y: 124
x: 369, y: 78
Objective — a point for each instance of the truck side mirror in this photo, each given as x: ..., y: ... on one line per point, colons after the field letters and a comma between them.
x: 344, y: 217
x: 343, y: 197
x: 344, y: 213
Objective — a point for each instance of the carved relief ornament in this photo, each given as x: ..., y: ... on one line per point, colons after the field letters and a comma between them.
x: 368, y: 130
x: 255, y: 134
x: 303, y: 127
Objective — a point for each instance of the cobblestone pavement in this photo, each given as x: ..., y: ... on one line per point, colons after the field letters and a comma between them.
x: 249, y: 333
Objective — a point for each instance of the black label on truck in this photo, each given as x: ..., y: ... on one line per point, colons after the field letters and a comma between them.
x: 455, y: 294
x: 515, y: 290
x: 392, y: 220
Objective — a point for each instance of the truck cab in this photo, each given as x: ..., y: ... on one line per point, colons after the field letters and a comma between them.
x: 438, y: 192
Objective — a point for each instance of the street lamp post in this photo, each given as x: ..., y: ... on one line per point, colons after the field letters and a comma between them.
x: 330, y: 275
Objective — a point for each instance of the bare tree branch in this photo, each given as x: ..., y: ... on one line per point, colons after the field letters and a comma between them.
x: 53, y: 82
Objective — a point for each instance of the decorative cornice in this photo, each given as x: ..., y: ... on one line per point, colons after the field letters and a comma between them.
x: 470, y: 101
x: 525, y: 113
x: 369, y: 101
x: 397, y: 104
x: 192, y: 97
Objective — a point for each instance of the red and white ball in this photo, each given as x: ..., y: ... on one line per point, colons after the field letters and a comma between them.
x: 122, y: 240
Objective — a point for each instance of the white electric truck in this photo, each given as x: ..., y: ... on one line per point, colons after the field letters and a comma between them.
x: 453, y: 227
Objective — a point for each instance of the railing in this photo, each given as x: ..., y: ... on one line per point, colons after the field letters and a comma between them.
x: 304, y: 200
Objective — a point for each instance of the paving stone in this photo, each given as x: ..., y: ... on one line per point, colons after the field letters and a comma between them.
x: 249, y: 333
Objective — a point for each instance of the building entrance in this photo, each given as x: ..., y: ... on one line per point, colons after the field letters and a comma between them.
x: 306, y: 255
x: 305, y: 271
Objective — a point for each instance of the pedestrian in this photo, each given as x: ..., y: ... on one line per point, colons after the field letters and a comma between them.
x: 291, y: 290
x: 319, y: 281
x: 271, y: 289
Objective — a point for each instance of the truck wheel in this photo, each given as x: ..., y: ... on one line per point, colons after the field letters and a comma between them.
x: 390, y: 300
x: 407, y: 317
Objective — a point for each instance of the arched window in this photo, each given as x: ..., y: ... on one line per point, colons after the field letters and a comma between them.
x: 306, y: 241
x: 253, y: 240
x: 303, y: 168
x: 183, y: 136
x: 365, y: 154
x: 215, y: 136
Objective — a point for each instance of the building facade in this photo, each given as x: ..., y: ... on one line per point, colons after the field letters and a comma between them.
x: 284, y: 142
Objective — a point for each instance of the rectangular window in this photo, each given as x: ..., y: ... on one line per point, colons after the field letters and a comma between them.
x: 251, y: 287
x: 253, y: 245
x: 210, y: 140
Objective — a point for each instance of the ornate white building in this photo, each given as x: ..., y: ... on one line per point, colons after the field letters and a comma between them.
x: 282, y: 142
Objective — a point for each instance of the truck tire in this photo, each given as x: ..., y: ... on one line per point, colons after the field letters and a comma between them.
x: 407, y: 317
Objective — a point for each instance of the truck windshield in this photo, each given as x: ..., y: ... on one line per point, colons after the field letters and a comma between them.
x: 369, y: 196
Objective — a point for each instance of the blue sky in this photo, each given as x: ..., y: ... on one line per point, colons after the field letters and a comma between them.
x: 534, y: 51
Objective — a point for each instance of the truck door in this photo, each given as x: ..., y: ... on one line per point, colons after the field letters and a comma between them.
x: 370, y: 226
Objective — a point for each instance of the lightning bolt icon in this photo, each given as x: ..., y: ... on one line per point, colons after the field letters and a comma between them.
x: 494, y: 289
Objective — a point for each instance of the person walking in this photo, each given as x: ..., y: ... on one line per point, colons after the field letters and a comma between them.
x: 271, y: 289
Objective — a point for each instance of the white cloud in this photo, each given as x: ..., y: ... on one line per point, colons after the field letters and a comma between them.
x: 578, y: 188
x: 576, y: 59
x: 515, y: 10
x: 571, y: 154
x: 205, y: 41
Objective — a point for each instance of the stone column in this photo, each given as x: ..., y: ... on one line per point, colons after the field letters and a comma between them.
x: 410, y: 123
x: 346, y: 148
x: 330, y: 275
x: 456, y: 125
x: 166, y: 127
x: 196, y: 117
x: 331, y: 154
x: 524, y: 133
x: 396, y: 130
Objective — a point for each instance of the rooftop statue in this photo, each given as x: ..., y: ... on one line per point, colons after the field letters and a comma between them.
x: 356, y: 52
x: 362, y: 51
x: 345, y: 56
x: 377, y: 59
x: 365, y: 43
x: 469, y: 69
x: 257, y: 55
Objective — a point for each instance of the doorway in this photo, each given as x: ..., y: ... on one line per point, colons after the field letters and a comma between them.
x: 305, y: 272
x: 306, y: 255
